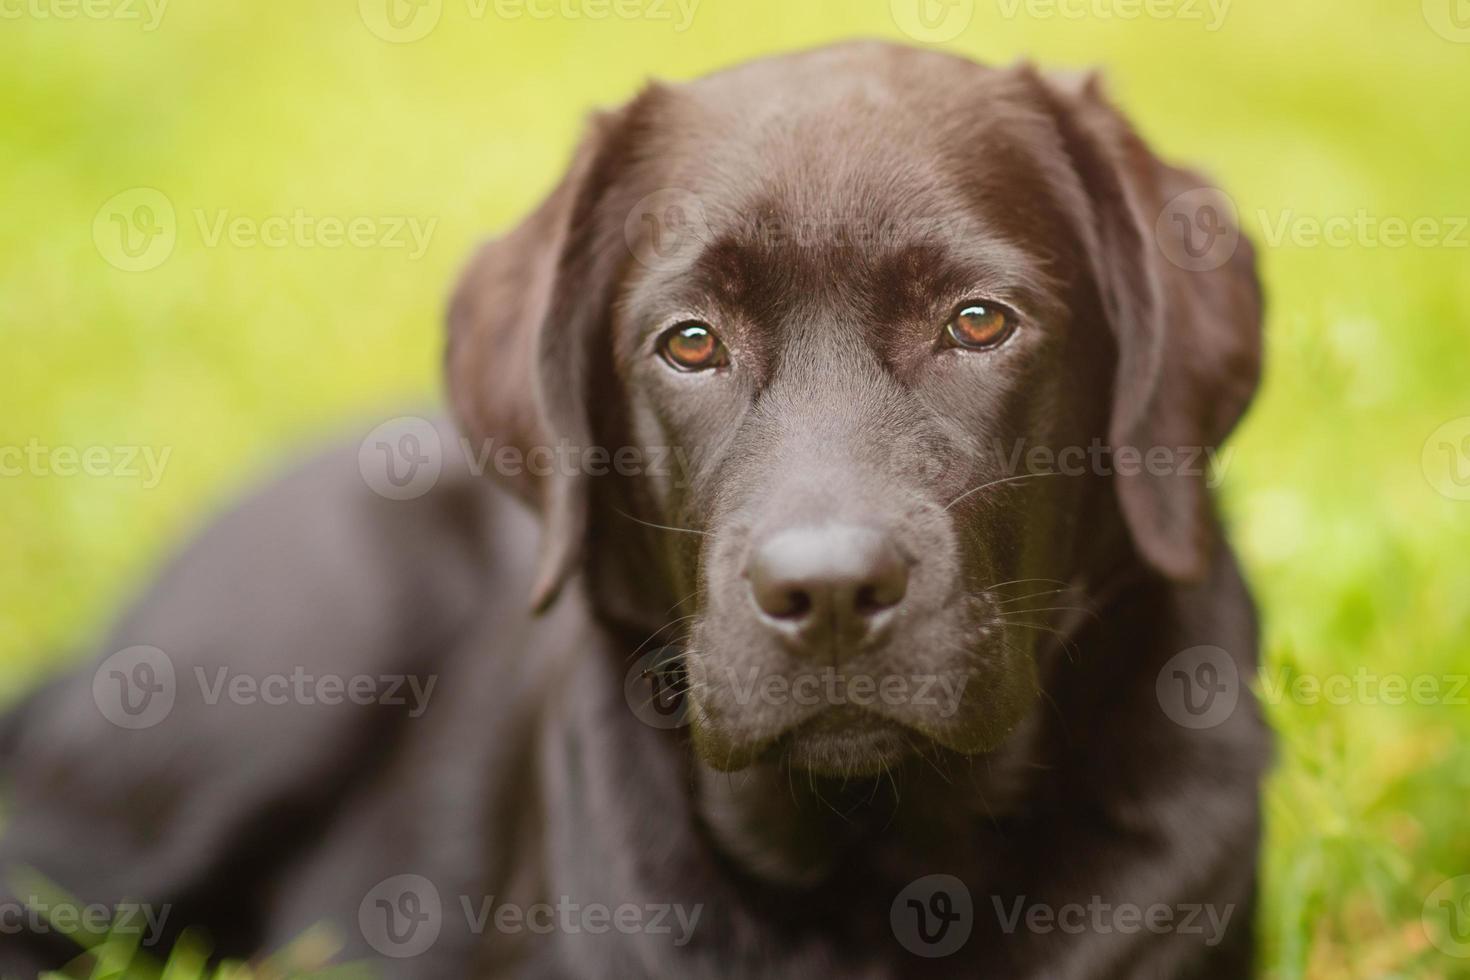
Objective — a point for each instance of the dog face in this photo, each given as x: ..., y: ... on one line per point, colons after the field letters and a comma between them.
x: 850, y: 295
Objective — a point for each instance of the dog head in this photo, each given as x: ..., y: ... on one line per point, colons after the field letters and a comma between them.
x: 843, y: 353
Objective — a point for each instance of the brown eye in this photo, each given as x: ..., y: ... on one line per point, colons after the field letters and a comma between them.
x: 980, y: 326
x: 693, y: 346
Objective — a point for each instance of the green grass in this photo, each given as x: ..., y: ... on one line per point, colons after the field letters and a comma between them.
x: 226, y: 356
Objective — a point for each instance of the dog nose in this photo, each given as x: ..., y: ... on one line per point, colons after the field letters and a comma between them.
x: 832, y: 580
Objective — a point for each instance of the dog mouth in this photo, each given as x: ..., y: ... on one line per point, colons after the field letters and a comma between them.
x: 942, y: 683
x: 844, y: 724
x: 841, y: 740
x: 845, y: 741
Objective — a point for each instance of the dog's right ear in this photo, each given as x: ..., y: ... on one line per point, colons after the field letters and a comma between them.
x: 522, y: 325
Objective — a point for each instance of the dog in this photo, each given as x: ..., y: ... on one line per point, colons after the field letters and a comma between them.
x: 739, y: 632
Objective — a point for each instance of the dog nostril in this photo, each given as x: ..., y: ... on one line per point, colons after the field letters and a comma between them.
x: 884, y: 586
x: 869, y: 602
x: 778, y: 601
x: 798, y: 604
x: 779, y: 597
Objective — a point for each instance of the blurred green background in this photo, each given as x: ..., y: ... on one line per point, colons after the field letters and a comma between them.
x: 1346, y: 492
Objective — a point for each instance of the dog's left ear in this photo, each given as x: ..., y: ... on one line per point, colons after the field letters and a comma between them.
x: 523, y: 325
x: 1182, y: 295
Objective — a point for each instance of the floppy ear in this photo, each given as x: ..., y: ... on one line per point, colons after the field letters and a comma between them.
x: 522, y: 326
x: 1180, y: 287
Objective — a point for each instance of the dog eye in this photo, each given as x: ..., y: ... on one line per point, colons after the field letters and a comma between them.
x: 692, y: 346
x: 980, y: 325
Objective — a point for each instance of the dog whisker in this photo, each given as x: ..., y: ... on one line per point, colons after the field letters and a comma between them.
x: 1065, y: 640
x: 919, y: 751
x: 1086, y: 610
x: 672, y: 622
x: 1019, y: 581
x: 995, y: 483
x: 1033, y: 595
x: 681, y: 602
x: 660, y: 527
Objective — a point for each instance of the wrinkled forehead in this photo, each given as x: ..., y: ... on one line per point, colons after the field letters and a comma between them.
x: 866, y: 194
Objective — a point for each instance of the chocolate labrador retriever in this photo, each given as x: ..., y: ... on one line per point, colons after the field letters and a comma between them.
x: 843, y: 410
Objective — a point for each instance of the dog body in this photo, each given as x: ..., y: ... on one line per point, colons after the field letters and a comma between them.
x: 845, y: 286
